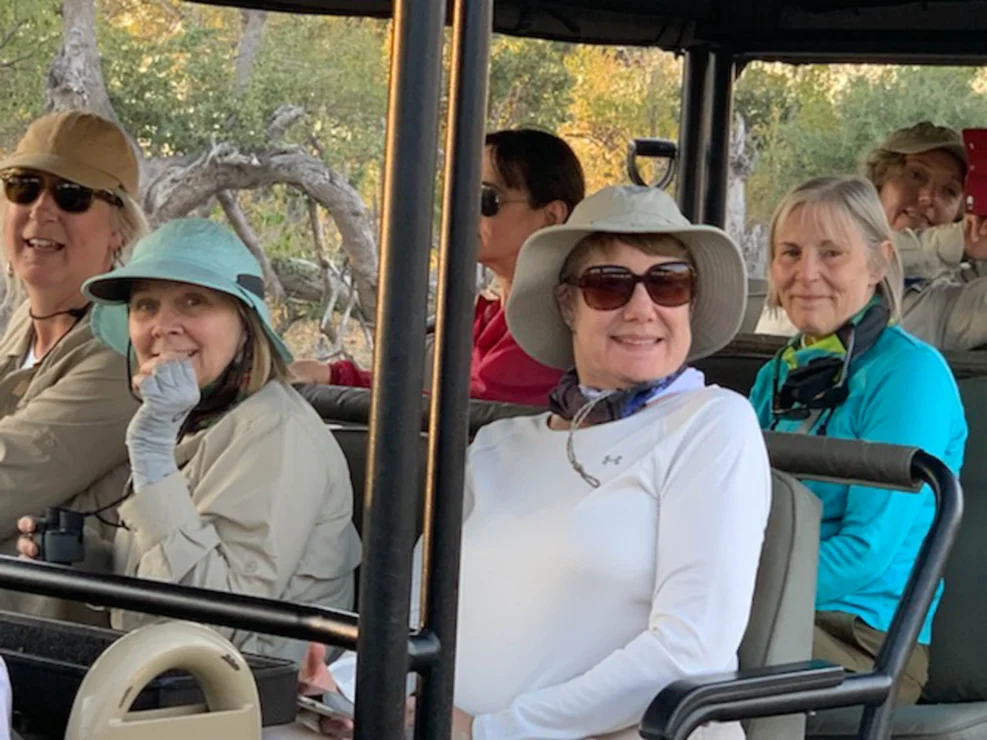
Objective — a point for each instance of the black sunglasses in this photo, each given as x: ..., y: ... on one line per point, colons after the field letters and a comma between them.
x: 24, y: 188
x: 491, y: 201
x: 609, y: 287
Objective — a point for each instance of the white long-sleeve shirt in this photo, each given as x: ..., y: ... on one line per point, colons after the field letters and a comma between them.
x: 578, y: 605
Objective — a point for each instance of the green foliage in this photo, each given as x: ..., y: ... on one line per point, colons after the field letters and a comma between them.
x: 530, y: 84
x: 35, y: 33
x: 169, y: 68
x: 816, y: 120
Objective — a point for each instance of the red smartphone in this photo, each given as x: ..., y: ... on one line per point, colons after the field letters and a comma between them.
x: 975, y: 192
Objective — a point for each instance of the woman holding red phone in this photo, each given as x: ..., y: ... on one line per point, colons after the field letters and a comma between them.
x: 920, y: 173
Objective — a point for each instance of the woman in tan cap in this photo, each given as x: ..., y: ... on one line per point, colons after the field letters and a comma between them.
x: 919, y: 172
x: 610, y: 545
x: 68, y: 213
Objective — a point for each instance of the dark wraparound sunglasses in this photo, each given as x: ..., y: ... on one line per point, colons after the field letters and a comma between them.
x: 491, y: 201
x: 24, y: 188
x: 609, y: 287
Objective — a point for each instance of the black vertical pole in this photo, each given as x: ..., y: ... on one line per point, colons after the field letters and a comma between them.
x: 693, y: 133
x: 393, y: 469
x: 448, y: 428
x: 721, y: 116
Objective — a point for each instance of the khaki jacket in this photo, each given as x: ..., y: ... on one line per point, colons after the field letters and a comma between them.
x: 262, y: 505
x: 947, y: 307
x: 62, y: 425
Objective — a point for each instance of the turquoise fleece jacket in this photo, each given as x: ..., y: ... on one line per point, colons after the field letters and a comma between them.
x: 901, y: 392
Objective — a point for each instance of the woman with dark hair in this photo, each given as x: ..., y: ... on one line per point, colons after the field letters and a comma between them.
x: 531, y: 179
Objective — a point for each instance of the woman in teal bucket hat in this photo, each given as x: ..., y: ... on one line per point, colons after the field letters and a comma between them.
x: 236, y: 484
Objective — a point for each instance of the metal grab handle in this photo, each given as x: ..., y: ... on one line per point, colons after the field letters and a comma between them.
x: 653, y: 149
x: 101, y: 710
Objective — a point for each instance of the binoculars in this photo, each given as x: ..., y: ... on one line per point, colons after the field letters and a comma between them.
x: 59, y: 536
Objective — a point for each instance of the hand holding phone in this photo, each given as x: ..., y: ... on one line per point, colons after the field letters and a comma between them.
x: 330, y: 715
x: 330, y: 704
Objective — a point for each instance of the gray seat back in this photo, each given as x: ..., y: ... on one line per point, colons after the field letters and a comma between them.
x: 353, y: 442
x: 757, y: 292
x: 958, y: 657
x: 780, y: 627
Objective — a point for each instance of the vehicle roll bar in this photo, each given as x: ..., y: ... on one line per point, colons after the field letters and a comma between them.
x: 802, y: 687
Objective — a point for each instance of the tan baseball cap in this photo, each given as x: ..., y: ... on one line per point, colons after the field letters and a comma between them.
x: 81, y: 147
x: 925, y: 137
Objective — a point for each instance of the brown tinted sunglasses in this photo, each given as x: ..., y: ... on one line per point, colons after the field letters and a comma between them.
x: 24, y: 188
x: 609, y: 287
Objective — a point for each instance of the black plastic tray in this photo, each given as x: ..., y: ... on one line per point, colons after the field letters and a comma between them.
x: 47, y: 660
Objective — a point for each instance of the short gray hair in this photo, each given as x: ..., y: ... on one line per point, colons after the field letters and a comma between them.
x: 856, y: 199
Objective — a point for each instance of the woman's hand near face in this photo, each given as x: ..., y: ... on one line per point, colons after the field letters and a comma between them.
x: 169, y: 390
x: 168, y: 381
x: 26, y: 546
x: 975, y: 236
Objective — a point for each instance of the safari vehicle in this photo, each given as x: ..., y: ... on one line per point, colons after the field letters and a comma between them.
x: 389, y: 456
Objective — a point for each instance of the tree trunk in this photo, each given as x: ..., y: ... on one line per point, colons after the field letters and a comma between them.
x: 248, y: 48
x: 75, y: 80
x: 742, y: 162
x: 174, y: 187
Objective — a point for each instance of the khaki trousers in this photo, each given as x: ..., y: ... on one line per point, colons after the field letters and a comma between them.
x: 845, y: 639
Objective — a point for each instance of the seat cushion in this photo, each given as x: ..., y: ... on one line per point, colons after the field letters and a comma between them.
x: 780, y: 626
x: 958, y: 660
x: 922, y: 722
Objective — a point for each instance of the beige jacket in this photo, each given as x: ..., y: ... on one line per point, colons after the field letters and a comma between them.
x: 262, y: 505
x: 948, y: 306
x: 62, y: 425
x: 931, y: 253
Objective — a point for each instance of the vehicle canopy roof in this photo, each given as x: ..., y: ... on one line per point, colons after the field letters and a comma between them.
x: 927, y: 32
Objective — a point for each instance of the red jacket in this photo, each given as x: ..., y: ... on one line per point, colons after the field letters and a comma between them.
x: 500, y: 370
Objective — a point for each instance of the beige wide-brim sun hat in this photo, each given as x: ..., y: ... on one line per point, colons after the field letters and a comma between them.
x: 533, y: 315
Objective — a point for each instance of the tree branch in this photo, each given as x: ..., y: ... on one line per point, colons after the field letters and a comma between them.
x: 240, y: 225
x: 180, y: 185
x: 283, y: 119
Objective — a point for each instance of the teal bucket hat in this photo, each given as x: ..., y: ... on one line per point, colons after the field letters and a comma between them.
x: 187, y: 250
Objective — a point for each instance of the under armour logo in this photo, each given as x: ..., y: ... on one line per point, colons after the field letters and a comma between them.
x: 612, y: 460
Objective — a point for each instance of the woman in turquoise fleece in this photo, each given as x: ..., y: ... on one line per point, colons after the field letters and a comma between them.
x: 852, y: 373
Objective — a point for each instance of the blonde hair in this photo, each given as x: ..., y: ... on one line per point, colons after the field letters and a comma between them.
x: 856, y: 201
x: 130, y: 223
x: 267, y: 363
x: 879, y: 165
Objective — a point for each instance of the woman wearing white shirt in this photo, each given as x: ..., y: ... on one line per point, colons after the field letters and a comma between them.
x: 610, y: 546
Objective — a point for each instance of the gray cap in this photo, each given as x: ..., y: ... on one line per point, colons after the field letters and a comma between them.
x: 926, y: 137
